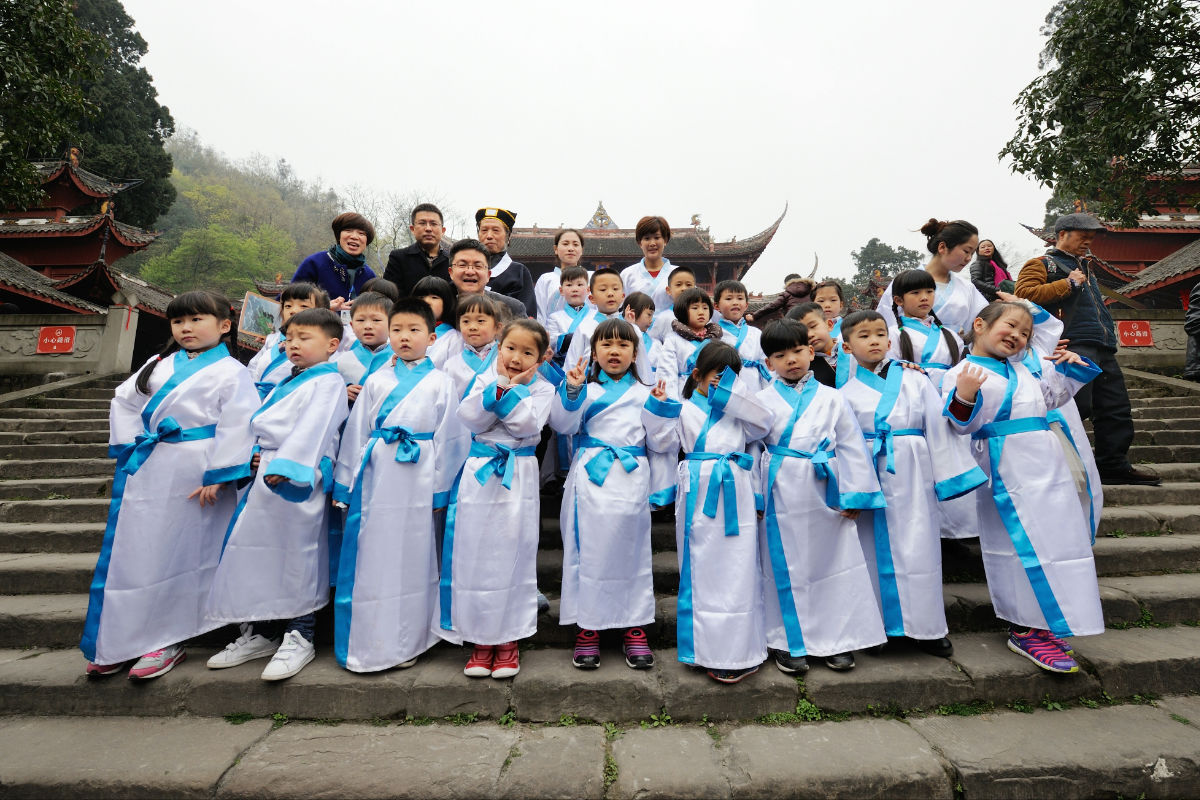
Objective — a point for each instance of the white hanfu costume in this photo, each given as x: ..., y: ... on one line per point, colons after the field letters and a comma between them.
x: 746, y: 339
x: 636, y: 278
x: 956, y: 303
x: 389, y: 469
x: 677, y: 359
x: 160, y: 549
x: 919, y: 463
x: 605, y: 518
x: 489, y: 556
x: 269, y: 365
x: 817, y: 588
x: 1035, y: 536
x: 561, y: 326
x: 581, y: 343
x: 275, y: 562
x: 447, y: 345
x: 720, y: 614
x: 359, y: 362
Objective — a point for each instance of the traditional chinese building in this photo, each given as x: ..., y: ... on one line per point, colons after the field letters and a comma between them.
x: 607, y: 245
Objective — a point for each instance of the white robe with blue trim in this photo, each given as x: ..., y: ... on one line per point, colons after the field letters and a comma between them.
x: 1034, y: 534
x: 636, y: 278
x: 607, y: 579
x: 387, y: 597
x: 161, y: 549
x: 956, y: 305
x: 720, y: 613
x: 677, y: 358
x: 489, y: 556
x: 817, y: 589
x: 747, y: 340
x: 354, y: 364
x: 901, y: 541
x: 275, y: 562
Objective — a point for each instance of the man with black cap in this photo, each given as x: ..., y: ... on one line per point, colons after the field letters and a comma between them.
x: 508, y: 277
x: 1064, y: 283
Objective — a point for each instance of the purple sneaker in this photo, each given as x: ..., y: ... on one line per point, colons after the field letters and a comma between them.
x: 1041, y: 651
x: 1062, y: 644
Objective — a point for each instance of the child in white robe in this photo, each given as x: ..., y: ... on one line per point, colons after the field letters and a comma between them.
x: 562, y: 322
x: 605, y: 519
x: 720, y: 612
x: 568, y: 252
x: 816, y: 478
x: 606, y: 294
x: 920, y: 465
x: 489, y: 556
x: 369, y: 321
x: 390, y: 467
x: 679, y: 279
x: 180, y: 431
x: 730, y: 300
x: 1035, y: 535
x: 440, y: 296
x: 270, y: 365
x: 691, y: 331
x: 274, y: 569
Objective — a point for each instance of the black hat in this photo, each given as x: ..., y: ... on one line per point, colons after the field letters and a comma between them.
x: 509, y: 218
x: 1077, y: 222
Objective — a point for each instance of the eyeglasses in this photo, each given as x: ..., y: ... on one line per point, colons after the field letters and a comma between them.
x: 468, y: 265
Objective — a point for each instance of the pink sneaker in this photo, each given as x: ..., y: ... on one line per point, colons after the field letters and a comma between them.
x: 1062, y: 644
x: 100, y: 670
x: 156, y: 663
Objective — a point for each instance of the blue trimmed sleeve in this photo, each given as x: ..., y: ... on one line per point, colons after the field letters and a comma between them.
x: 720, y: 395
x: 226, y: 474
x: 960, y: 484
x: 507, y: 401
x: 1081, y: 373
x: 293, y: 471
x: 572, y: 397
x: 667, y: 409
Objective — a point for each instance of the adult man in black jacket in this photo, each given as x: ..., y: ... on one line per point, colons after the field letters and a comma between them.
x: 425, y: 256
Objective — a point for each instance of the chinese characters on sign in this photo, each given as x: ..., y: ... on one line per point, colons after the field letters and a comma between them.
x: 56, y: 339
x: 1134, y: 333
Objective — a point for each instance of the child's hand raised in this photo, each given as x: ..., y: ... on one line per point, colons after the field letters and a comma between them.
x: 577, y: 374
x: 274, y: 480
x: 659, y: 392
x: 968, y: 383
x: 525, y: 376
x: 1064, y: 356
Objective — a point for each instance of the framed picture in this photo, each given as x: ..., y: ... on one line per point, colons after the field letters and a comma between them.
x: 260, y: 316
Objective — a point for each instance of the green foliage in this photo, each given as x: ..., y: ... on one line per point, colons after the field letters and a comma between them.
x: 612, y: 731
x: 611, y: 771
x: 872, y: 257
x: 1051, y: 705
x: 125, y: 139
x: 239, y: 717
x: 1182, y: 720
x: 278, y: 720
x: 462, y: 718
x: 1116, y: 101
x: 45, y: 59
x: 215, y: 257
x: 1144, y: 620
x: 660, y: 720
x: 971, y: 709
x: 507, y: 719
x: 567, y: 721
x: 1022, y: 706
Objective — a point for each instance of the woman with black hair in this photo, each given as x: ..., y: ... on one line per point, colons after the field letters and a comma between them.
x: 989, y: 271
x: 342, y: 269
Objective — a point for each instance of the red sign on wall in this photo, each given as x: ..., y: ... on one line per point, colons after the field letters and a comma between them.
x: 1134, y: 333
x: 56, y: 339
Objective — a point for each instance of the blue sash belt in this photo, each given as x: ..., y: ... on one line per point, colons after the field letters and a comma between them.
x: 169, y: 432
x: 881, y: 442
x: 721, y: 482
x: 599, y: 465
x: 501, y: 461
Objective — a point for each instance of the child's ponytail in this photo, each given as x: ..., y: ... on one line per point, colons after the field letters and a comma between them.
x: 951, y: 342
x: 714, y: 357
x: 184, y: 305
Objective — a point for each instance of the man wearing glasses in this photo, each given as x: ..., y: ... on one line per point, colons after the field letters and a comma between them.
x: 469, y: 272
x: 425, y: 256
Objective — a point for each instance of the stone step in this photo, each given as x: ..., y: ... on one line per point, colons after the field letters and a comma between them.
x: 61, y: 537
x: 1163, y: 454
x: 76, y: 403
x: 52, y: 412
x: 89, y: 392
x: 56, y: 488
x: 900, y: 679
x: 1180, y: 423
x: 1131, y: 751
x: 62, y: 436
x: 60, y: 424
x: 1136, y: 555
x: 49, y: 512
x: 1144, y: 392
x: 30, y: 468
x: 21, y: 452
x: 46, y: 573
x: 1157, y: 518
x: 1182, y: 471
x: 54, y: 620
x: 1186, y: 401
x: 1143, y: 436
x: 1171, y: 492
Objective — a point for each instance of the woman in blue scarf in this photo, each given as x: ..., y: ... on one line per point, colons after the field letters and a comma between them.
x: 342, y: 269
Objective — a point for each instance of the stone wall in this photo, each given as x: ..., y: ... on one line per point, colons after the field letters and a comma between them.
x: 103, y: 343
x: 1170, y: 342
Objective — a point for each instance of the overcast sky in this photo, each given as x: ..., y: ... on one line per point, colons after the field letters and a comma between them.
x: 866, y: 118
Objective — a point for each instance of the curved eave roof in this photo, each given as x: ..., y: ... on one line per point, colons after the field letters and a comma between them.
x: 87, y: 182
x: 1181, y: 264
x: 23, y: 280
x: 128, y: 235
x: 755, y: 244
x: 151, y: 299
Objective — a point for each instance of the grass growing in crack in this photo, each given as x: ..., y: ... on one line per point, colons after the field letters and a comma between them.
x: 806, y: 711
x: 660, y: 720
x: 513, y: 752
x: 1051, y: 705
x: 567, y: 721
x: 611, y: 771
x: 1022, y: 706
x: 507, y: 719
x: 1147, y: 699
x: 1117, y: 534
x: 278, y: 721
x: 1087, y: 702
x: 419, y: 721
x: 462, y: 718
x: 1144, y: 620
x: 711, y: 729
x: 1182, y: 720
x: 890, y: 711
x: 379, y: 722
x: 971, y: 709
x: 612, y: 731
x: 239, y: 717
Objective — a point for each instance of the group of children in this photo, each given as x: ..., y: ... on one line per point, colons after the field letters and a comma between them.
x: 812, y: 468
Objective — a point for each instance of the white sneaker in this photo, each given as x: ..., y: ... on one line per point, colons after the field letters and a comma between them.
x: 242, y: 649
x: 291, y: 657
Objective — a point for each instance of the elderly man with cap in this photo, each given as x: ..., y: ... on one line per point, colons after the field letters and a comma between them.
x: 1064, y: 283
x: 508, y: 277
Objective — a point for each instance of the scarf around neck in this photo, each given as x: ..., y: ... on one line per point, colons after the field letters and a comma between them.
x: 711, y: 331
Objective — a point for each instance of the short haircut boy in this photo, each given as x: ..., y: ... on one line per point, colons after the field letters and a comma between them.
x: 374, y: 300
x: 382, y: 286
x: 734, y: 287
x: 329, y: 322
x: 685, y: 300
x: 416, y: 307
x: 305, y: 291
x: 603, y: 271
x: 856, y: 318
x: 572, y: 274
x: 803, y: 310
x: 681, y: 270
x: 783, y: 334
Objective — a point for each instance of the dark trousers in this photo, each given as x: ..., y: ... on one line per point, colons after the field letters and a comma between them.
x: 1106, y: 402
x: 275, y: 629
x: 1191, y: 369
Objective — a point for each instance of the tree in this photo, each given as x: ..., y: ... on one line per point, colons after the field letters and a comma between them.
x: 217, y: 258
x: 1118, y: 100
x: 126, y: 139
x: 876, y: 256
x: 45, y: 57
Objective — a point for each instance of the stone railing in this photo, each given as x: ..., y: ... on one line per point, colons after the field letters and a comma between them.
x: 103, y: 343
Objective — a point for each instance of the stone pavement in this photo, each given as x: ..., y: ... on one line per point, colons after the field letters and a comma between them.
x: 901, y: 724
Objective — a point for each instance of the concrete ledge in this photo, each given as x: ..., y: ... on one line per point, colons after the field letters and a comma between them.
x: 12, y: 398
x: 1174, y: 384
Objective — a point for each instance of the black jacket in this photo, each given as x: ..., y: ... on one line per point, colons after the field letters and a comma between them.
x: 516, y: 281
x: 1191, y: 320
x: 408, y: 265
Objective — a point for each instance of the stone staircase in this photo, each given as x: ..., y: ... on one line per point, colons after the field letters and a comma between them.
x: 664, y: 732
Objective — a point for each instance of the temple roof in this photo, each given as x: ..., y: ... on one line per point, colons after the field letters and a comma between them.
x: 102, y: 279
x: 129, y: 235
x: 1181, y: 264
x: 601, y: 220
x: 27, y: 281
x: 88, y: 182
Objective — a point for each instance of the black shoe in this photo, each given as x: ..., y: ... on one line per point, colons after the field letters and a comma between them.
x: 942, y: 648
x: 789, y: 663
x: 543, y: 604
x: 730, y: 675
x: 587, y: 650
x: 637, y: 649
x: 841, y: 662
x: 1130, y: 477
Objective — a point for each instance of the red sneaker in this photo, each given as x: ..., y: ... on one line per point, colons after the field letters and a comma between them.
x: 480, y: 663
x: 508, y: 662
